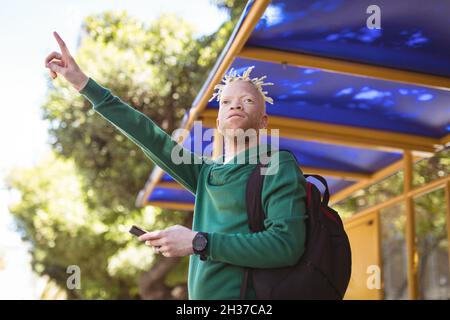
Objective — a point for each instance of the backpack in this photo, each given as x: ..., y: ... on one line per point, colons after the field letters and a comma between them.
x: 323, y: 271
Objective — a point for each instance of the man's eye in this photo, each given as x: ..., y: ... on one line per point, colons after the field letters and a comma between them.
x: 224, y: 101
x: 248, y: 100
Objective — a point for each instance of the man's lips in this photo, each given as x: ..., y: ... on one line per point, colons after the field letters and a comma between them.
x: 235, y: 115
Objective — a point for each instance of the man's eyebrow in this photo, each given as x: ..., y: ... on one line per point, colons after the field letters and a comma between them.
x: 247, y: 94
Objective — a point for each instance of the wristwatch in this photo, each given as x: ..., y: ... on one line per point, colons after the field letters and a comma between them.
x: 199, y: 244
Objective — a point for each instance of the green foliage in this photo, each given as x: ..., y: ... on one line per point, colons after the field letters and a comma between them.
x: 76, y: 205
x: 53, y: 216
x: 234, y: 7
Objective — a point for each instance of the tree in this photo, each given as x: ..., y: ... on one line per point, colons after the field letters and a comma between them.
x: 77, y: 203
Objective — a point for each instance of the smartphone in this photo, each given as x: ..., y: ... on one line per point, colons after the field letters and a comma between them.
x: 136, y: 231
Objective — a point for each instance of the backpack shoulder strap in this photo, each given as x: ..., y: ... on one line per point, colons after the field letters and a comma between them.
x: 253, y: 197
x: 255, y: 214
x: 255, y: 211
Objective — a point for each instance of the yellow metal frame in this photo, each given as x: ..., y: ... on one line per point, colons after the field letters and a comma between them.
x: 380, y: 252
x: 447, y: 204
x: 410, y: 226
x: 407, y: 197
x: 364, y: 247
x: 170, y: 184
x: 414, y: 193
x: 377, y: 176
x: 346, y: 67
x: 149, y: 187
x: 341, y: 134
x: 172, y: 205
x: 445, y: 140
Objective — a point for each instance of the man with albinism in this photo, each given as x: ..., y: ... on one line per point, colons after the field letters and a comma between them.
x: 220, y: 244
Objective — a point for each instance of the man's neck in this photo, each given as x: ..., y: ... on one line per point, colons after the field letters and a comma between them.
x: 232, y: 147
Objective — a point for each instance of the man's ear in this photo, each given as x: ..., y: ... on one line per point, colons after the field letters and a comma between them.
x: 264, y: 121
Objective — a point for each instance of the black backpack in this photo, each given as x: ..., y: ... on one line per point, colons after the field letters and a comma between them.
x: 323, y: 271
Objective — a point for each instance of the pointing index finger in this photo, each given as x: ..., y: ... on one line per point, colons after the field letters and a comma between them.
x: 61, y: 44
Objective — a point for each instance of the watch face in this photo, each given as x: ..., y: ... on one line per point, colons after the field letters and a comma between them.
x: 200, y: 243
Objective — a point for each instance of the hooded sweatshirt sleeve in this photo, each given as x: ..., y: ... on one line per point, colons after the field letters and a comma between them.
x: 154, y: 142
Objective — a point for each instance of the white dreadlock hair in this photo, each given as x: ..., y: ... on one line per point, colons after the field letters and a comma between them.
x: 233, y: 76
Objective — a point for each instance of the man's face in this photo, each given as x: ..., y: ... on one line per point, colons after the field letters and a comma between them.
x: 241, y: 107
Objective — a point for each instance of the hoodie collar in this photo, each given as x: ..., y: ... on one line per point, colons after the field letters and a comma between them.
x: 250, y: 155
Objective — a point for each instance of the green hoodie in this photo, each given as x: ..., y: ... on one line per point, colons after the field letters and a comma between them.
x: 220, y: 208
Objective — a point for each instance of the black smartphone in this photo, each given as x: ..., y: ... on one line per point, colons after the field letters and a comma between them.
x: 136, y: 231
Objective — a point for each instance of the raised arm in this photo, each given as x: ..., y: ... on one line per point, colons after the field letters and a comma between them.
x: 156, y: 144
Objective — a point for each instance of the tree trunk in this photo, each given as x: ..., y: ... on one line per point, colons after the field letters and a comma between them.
x: 151, y: 283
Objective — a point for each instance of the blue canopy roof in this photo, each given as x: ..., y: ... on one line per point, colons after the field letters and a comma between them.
x: 171, y: 195
x: 408, y: 99
x: 313, y: 94
x: 414, y: 34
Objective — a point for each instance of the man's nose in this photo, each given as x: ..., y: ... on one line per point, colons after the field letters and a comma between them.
x: 237, y: 106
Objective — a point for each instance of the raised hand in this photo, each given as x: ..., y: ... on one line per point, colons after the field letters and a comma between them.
x: 64, y: 64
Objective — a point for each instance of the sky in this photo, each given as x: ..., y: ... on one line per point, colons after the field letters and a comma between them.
x: 25, y: 40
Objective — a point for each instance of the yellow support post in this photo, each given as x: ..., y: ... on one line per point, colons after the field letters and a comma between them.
x: 447, y: 204
x: 410, y: 226
x: 380, y: 252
